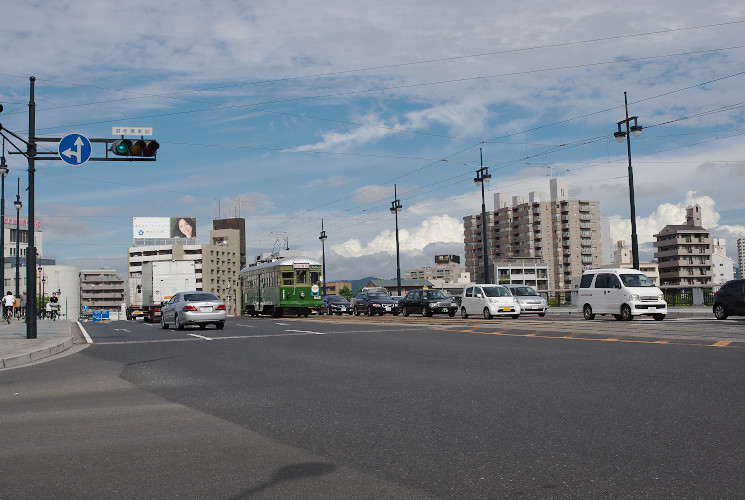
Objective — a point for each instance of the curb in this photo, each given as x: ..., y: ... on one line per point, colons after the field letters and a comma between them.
x: 41, y: 353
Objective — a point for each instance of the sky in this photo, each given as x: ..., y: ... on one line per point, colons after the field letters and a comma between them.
x: 290, y: 113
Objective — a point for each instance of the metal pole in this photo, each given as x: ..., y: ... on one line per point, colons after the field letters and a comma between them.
x: 18, y: 238
x: 487, y: 278
x: 31, y: 249
x: 398, y: 259
x: 634, y: 239
x: 2, y: 236
x: 323, y: 251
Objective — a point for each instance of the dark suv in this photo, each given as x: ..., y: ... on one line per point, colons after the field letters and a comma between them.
x: 374, y: 302
x: 427, y: 303
x: 730, y: 300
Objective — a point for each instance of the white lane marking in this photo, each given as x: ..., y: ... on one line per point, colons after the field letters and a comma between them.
x: 247, y: 326
x: 121, y: 330
x: 199, y: 336
x: 283, y: 324
x: 306, y: 331
x: 85, y: 334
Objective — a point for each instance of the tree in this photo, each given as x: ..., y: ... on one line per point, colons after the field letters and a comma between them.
x: 347, y: 293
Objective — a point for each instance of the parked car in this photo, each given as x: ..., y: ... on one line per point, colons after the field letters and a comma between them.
x: 529, y: 300
x: 488, y: 300
x: 624, y: 293
x: 374, y: 302
x: 193, y: 308
x: 335, y: 304
x: 427, y: 303
x: 730, y: 299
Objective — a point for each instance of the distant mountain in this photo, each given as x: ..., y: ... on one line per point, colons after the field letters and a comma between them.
x: 357, y: 284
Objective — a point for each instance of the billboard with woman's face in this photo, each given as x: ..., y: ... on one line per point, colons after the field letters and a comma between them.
x: 164, y: 227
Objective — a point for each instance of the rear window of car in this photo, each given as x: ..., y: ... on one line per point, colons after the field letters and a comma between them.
x: 197, y: 297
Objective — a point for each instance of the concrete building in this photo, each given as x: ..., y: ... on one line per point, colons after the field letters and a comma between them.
x: 563, y: 233
x: 217, y: 263
x: 684, y: 252
x: 722, y: 267
x: 741, y: 256
x: 101, y: 290
x: 391, y: 286
x: 447, y: 269
x: 334, y: 287
x: 523, y: 271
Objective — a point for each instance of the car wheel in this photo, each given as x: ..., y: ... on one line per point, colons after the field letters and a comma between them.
x: 220, y: 325
x: 425, y: 312
x: 515, y: 316
x: 618, y: 317
x: 487, y: 313
x: 451, y: 313
x: 406, y: 312
x: 540, y: 315
x: 658, y: 317
x: 370, y: 311
x: 626, y: 313
x: 720, y: 312
x: 463, y: 313
x: 356, y: 311
x: 163, y: 323
x: 176, y: 322
x: 587, y: 312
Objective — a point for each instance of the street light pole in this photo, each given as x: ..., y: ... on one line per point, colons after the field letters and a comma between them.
x: 31, y: 248
x: 3, y: 174
x: 323, y: 262
x: 483, y: 176
x: 395, y: 208
x: 18, y: 204
x: 636, y: 131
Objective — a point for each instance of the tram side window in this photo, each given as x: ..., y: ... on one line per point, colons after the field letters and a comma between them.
x: 302, y: 276
x: 314, y: 277
x: 287, y: 277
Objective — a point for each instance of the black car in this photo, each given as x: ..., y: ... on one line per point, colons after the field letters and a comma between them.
x: 427, y: 303
x: 335, y: 304
x: 730, y: 300
x: 374, y: 302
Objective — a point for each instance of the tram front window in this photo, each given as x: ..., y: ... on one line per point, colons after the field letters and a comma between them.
x: 315, y: 277
x: 302, y: 276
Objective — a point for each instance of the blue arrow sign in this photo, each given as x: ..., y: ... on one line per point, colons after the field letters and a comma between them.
x: 75, y: 149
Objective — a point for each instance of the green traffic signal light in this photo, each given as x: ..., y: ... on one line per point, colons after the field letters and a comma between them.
x: 141, y: 147
x: 121, y: 147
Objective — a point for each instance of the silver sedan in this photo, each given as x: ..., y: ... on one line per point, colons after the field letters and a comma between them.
x: 193, y: 308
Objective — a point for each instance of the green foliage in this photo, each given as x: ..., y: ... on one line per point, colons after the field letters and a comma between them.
x: 347, y: 293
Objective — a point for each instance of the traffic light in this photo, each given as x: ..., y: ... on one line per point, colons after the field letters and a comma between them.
x: 128, y: 147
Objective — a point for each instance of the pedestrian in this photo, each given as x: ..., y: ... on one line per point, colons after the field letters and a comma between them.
x: 54, y: 306
x: 23, y: 304
x: 17, y: 306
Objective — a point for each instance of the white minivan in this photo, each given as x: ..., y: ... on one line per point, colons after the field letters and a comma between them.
x: 624, y: 293
x: 489, y: 301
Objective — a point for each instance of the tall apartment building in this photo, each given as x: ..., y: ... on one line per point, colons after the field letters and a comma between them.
x: 217, y: 263
x: 563, y: 233
x: 741, y: 256
x: 100, y: 290
x: 684, y: 252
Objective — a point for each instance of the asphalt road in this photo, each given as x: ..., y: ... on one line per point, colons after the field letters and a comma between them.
x: 383, y: 408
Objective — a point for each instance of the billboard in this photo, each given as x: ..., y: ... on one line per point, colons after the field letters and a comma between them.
x: 164, y: 227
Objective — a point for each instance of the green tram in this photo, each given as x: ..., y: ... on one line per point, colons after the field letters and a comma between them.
x: 290, y: 285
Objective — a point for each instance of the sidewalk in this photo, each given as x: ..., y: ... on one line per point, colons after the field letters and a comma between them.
x: 53, y: 337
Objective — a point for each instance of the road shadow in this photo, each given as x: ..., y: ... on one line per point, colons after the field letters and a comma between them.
x: 290, y: 473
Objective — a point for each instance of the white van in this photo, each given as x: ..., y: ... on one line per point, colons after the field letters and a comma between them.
x: 624, y: 293
x: 488, y: 300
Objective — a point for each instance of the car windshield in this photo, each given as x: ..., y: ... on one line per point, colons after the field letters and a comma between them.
x: 496, y: 291
x: 636, y: 280
x: 199, y: 297
x: 336, y: 298
x: 523, y: 290
x: 379, y: 296
x: 433, y: 294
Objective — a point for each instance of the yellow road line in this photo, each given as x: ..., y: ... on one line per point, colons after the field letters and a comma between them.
x: 721, y: 343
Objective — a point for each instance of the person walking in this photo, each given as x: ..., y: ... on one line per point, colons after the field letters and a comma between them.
x: 8, y: 302
x: 23, y: 305
x: 16, y: 307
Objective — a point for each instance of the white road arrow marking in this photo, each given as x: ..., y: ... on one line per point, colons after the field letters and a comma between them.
x: 306, y: 331
x: 199, y: 336
x: 121, y: 330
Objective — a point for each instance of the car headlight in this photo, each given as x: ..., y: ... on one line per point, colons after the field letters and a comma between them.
x: 375, y: 305
x: 661, y: 298
x: 634, y: 297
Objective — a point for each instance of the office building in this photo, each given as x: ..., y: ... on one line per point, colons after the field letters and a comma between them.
x: 101, y: 290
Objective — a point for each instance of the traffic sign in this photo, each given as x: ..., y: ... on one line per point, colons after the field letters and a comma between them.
x: 75, y: 149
